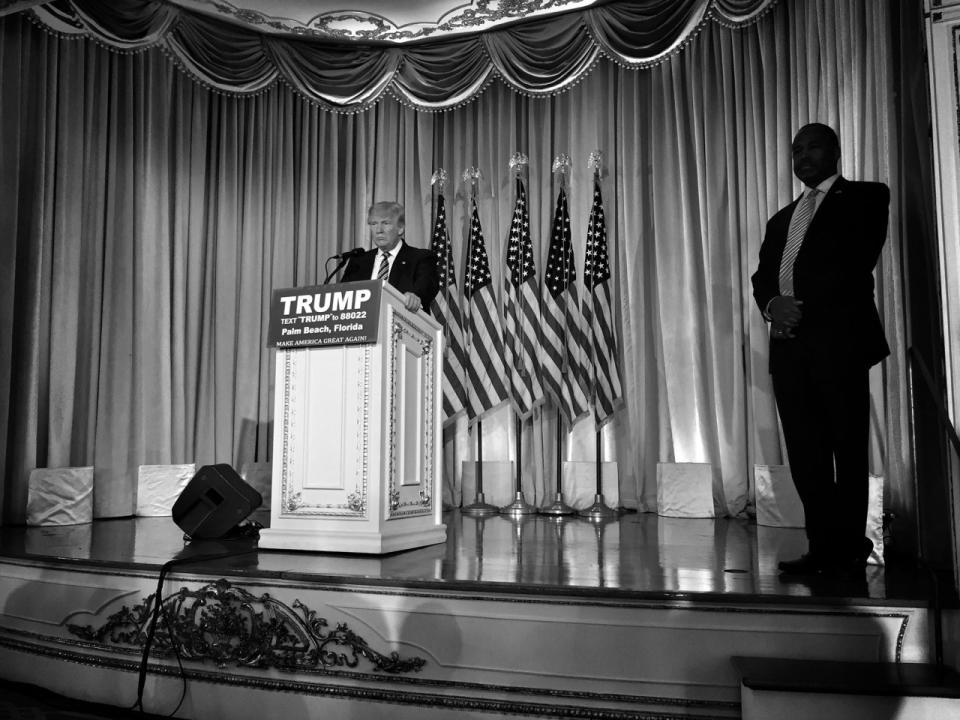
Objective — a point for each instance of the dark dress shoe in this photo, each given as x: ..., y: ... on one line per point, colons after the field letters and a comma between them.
x: 849, y: 569
x: 851, y: 566
x: 804, y: 565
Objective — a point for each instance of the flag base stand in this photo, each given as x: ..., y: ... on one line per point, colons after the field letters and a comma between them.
x: 599, y: 510
x: 519, y: 506
x: 558, y: 507
x: 480, y: 508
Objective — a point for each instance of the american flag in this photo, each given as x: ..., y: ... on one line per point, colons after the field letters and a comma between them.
x: 598, y: 313
x: 522, y: 311
x: 446, y: 309
x: 486, y: 369
x: 565, y: 372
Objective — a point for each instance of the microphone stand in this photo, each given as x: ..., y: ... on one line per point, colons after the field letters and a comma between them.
x: 343, y: 261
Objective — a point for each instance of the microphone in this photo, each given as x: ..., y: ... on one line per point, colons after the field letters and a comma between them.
x: 342, y: 260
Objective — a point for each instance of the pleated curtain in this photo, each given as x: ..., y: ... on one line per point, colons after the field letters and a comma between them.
x: 150, y: 203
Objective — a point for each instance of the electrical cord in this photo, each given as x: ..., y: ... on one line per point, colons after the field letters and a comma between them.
x: 159, y: 610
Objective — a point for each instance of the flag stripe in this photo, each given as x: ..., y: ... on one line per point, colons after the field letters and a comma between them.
x: 564, y: 337
x: 605, y: 378
x: 446, y: 309
x: 486, y: 367
x: 522, y: 311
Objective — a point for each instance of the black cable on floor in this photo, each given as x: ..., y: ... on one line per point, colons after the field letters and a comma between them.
x: 184, y: 559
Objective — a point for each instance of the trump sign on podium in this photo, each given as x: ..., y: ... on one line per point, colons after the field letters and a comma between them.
x: 342, y: 314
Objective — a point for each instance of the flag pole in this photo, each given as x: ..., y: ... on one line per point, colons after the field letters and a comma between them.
x: 480, y: 507
x: 478, y: 542
x: 558, y: 508
x: 518, y: 547
x: 437, y: 182
x: 519, y: 506
x: 599, y: 510
x: 599, y: 529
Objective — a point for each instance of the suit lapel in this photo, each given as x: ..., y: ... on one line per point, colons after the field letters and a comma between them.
x: 399, y: 268
x: 828, y: 206
x: 367, y: 263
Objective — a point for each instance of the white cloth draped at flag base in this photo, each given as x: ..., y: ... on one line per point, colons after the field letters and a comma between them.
x: 580, y: 483
x: 498, y: 481
x: 691, y: 490
x: 60, y: 496
x: 159, y: 486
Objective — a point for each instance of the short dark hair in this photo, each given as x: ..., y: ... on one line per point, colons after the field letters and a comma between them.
x: 828, y: 132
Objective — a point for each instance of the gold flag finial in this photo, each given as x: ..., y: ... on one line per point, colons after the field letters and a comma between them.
x: 595, y: 162
x: 518, y: 161
x: 439, y: 178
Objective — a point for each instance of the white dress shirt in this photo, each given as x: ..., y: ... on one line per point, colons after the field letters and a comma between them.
x: 391, y: 257
x: 823, y: 189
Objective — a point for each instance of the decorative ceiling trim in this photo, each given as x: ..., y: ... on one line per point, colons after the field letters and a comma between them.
x: 8, y: 7
x: 539, y: 58
x: 366, y: 26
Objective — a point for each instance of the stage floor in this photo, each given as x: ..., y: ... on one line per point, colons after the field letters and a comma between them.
x: 638, y: 555
x: 636, y: 618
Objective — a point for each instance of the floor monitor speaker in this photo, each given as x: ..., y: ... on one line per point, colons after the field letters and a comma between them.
x: 214, y: 502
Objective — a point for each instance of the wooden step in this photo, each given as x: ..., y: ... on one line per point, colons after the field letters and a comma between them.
x: 818, y: 689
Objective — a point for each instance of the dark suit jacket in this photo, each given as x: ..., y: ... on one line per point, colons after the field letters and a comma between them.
x: 414, y: 270
x: 833, y: 276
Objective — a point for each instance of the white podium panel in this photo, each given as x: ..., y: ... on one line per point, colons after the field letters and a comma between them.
x: 356, y: 460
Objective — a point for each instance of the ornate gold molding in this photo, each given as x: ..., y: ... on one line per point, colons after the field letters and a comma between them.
x: 230, y: 626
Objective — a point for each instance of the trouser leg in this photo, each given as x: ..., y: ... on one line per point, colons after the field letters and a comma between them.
x: 826, y: 428
x: 802, y: 416
x: 850, y: 436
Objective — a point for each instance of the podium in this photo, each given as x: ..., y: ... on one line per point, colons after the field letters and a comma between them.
x: 357, y: 439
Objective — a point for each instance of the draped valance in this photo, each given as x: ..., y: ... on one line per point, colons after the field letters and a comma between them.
x: 538, y: 58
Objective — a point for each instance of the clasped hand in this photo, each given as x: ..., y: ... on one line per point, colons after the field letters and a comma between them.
x: 785, y: 314
x: 411, y: 301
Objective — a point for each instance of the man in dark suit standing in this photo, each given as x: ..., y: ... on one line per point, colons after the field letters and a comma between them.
x: 814, y: 283
x: 412, y: 271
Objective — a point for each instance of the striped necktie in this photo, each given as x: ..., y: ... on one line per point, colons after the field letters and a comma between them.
x: 798, y: 229
x: 384, y: 266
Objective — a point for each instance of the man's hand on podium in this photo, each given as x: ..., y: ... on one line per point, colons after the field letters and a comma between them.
x: 411, y: 301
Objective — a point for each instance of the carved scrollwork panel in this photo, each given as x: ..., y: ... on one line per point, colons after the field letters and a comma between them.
x: 228, y: 625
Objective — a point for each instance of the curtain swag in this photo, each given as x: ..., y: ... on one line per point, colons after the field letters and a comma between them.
x: 537, y: 58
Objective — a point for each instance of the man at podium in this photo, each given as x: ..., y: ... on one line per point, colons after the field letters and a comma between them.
x: 412, y: 271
